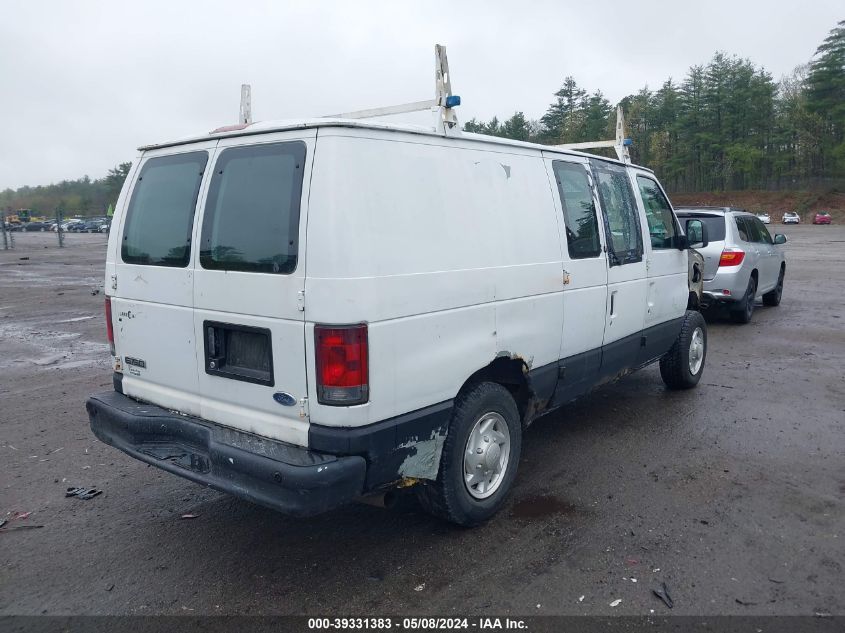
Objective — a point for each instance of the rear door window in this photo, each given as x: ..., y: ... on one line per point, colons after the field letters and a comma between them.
x: 622, y: 222
x: 579, y: 211
x: 747, y: 232
x: 658, y: 213
x: 251, y: 218
x: 160, y: 216
x: 763, y: 235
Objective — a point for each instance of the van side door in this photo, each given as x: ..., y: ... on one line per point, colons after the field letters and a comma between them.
x: 626, y: 274
x: 584, y: 278
x: 668, y: 269
x: 249, y: 286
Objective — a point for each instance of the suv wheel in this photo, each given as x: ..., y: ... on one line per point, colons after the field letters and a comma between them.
x: 772, y: 298
x: 681, y: 367
x: 743, y: 311
x: 480, y: 457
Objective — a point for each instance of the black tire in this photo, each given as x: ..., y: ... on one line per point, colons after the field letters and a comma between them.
x: 773, y: 297
x: 675, y: 364
x: 745, y: 308
x: 448, y: 497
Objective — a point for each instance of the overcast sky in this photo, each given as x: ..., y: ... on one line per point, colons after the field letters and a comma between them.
x: 85, y: 82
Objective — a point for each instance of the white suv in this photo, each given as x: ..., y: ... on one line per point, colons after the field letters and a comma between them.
x: 303, y: 313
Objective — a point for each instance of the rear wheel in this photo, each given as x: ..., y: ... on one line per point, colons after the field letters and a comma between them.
x: 772, y: 298
x: 681, y: 367
x: 743, y: 312
x: 480, y: 457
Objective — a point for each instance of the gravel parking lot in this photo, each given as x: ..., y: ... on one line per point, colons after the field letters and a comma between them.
x: 731, y: 494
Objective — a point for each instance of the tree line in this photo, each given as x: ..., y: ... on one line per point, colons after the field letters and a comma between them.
x: 728, y: 125
x: 82, y: 196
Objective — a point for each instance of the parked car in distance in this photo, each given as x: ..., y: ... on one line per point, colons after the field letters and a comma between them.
x: 790, y: 217
x: 86, y: 226
x: 31, y: 227
x: 65, y: 225
x: 741, y: 262
x: 822, y: 217
x: 403, y: 353
x: 764, y: 218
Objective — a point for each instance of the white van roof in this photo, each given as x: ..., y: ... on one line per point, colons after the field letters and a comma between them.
x: 265, y: 127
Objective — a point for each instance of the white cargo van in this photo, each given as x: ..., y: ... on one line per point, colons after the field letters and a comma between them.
x: 303, y: 313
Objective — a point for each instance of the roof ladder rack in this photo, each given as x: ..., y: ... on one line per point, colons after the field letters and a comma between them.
x: 620, y: 143
x: 442, y: 106
x: 245, y: 117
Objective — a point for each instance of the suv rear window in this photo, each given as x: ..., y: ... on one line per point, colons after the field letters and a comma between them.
x: 160, y: 216
x: 251, y: 219
x: 715, y: 224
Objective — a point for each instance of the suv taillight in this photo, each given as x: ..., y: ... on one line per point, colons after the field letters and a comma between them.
x: 342, y: 365
x: 109, y: 326
x: 731, y: 257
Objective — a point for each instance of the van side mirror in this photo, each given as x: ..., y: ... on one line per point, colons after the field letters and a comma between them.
x: 696, y: 234
x: 780, y: 238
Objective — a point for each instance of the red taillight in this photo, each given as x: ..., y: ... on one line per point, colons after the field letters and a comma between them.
x: 109, y: 326
x: 342, y: 367
x: 731, y: 257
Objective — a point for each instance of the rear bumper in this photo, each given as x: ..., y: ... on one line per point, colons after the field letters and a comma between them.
x: 728, y: 285
x: 287, y: 478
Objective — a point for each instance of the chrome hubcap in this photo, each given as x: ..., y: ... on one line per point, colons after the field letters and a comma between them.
x: 696, y: 351
x: 486, y: 455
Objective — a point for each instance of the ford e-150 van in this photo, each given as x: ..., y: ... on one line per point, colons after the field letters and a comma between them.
x: 304, y: 313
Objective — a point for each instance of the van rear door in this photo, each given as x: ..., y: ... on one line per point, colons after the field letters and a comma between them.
x: 151, y: 283
x: 249, y: 286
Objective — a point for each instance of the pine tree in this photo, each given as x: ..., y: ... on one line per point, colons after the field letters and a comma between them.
x: 826, y: 97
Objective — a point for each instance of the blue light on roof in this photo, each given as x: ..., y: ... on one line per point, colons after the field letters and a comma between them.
x: 628, y: 141
x: 452, y: 101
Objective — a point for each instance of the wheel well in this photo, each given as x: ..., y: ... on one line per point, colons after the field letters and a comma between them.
x: 755, y: 275
x: 692, y: 301
x: 510, y: 372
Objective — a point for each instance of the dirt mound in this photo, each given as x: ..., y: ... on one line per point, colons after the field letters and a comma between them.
x: 806, y: 203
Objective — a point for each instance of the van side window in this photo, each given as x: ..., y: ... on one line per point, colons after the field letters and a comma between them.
x: 579, y: 211
x: 251, y: 218
x: 160, y: 216
x: 622, y: 223
x: 658, y: 213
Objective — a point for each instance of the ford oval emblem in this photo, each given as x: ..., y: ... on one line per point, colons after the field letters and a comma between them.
x: 284, y: 398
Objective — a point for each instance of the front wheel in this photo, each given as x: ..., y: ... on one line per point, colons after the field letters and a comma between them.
x: 682, y: 366
x: 480, y: 457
